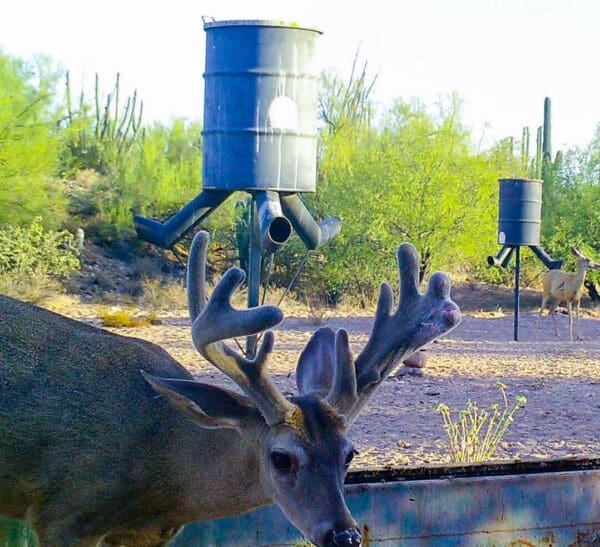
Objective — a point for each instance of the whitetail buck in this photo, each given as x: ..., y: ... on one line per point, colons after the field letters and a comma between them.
x: 560, y: 287
x: 90, y: 454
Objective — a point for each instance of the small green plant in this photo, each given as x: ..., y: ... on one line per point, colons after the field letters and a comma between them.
x: 31, y: 257
x: 475, y: 436
x: 31, y: 250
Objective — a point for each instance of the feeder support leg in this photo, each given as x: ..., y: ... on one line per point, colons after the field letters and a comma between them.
x: 254, y: 270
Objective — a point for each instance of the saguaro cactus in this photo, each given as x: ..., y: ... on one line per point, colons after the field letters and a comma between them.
x: 525, y: 148
x: 547, y: 142
x: 541, y: 166
x: 115, y: 127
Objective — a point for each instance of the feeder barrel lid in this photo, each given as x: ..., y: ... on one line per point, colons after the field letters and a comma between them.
x: 209, y: 22
x: 519, y: 179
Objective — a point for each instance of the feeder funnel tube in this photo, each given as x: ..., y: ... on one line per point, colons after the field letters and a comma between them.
x: 312, y: 233
x: 167, y: 234
x: 502, y: 259
x: 548, y: 261
x: 275, y: 229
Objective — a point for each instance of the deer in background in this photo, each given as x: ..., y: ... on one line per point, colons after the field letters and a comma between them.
x: 106, y: 439
x: 560, y: 286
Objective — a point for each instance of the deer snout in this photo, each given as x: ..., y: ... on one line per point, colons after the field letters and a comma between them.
x: 341, y: 538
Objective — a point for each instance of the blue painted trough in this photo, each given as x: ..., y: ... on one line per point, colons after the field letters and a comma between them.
x: 532, y: 503
x: 553, y: 503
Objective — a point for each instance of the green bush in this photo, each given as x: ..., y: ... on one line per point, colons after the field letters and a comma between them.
x: 159, y: 173
x: 31, y: 250
x: 29, y: 144
x: 414, y: 178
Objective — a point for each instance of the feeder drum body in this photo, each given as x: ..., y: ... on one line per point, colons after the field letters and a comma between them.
x: 520, y: 212
x: 260, y: 107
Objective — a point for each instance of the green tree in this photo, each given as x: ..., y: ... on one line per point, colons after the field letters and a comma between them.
x: 574, y: 211
x: 29, y: 146
x: 159, y: 174
x: 415, y: 178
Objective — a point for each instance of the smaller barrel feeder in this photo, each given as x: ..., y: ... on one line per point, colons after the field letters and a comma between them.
x: 259, y: 136
x: 519, y: 224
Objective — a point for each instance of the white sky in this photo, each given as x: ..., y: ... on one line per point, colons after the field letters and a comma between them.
x: 502, y: 57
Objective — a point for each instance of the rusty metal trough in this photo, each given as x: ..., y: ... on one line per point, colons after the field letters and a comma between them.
x: 531, y: 503
x: 551, y: 503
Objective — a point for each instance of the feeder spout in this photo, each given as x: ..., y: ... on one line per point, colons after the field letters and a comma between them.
x: 167, y: 234
x: 275, y: 229
x: 548, y: 261
x: 502, y: 259
x: 312, y: 233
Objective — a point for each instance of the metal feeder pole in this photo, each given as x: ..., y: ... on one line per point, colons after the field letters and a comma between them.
x: 517, y: 279
x: 254, y: 267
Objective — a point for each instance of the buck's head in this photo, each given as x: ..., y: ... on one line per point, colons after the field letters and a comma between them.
x: 301, y: 444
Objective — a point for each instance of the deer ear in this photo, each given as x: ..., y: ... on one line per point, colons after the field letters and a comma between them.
x: 577, y: 252
x: 315, y: 370
x: 209, y: 406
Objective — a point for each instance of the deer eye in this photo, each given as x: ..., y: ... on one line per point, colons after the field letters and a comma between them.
x: 281, y: 460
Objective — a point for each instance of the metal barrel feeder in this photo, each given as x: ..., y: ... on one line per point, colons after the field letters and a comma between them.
x: 519, y: 224
x: 259, y: 136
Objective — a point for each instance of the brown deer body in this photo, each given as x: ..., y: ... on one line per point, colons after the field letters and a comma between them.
x: 559, y: 286
x: 93, y: 451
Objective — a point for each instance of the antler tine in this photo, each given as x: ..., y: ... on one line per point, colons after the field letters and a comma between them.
x: 252, y: 377
x: 196, y: 274
x: 408, y: 266
x: 343, y: 395
x: 418, y: 319
x: 217, y: 320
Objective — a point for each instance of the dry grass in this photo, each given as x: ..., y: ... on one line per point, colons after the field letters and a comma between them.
x: 159, y: 295
x: 34, y: 289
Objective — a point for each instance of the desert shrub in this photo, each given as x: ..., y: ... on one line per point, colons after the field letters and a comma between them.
x: 29, y: 144
x: 156, y: 175
x: 476, y: 434
x: 31, y: 258
x: 413, y: 177
x: 97, y: 137
x: 31, y: 250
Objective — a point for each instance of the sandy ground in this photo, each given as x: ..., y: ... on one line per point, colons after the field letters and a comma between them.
x: 401, y: 425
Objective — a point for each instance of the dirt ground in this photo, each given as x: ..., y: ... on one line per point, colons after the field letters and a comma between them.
x: 401, y: 426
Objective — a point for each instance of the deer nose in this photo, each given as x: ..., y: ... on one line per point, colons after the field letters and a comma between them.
x: 343, y: 538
